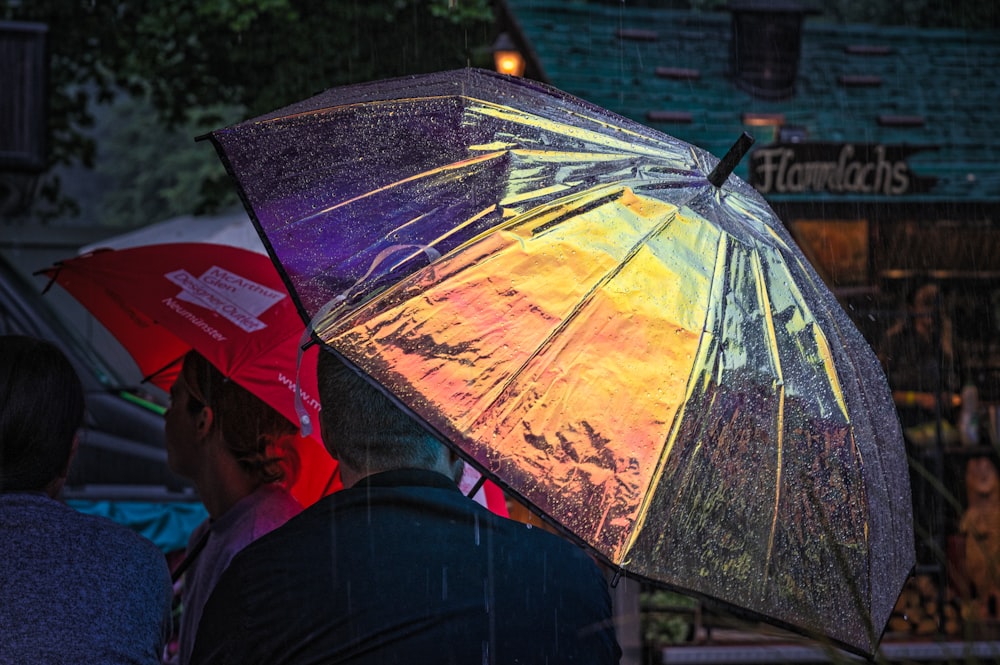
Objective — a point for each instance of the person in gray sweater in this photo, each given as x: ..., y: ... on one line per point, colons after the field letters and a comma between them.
x: 74, y: 588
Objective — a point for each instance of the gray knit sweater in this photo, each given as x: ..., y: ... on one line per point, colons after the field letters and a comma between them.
x: 76, y: 588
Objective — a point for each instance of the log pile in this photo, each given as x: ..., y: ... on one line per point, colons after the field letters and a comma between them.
x: 922, y: 612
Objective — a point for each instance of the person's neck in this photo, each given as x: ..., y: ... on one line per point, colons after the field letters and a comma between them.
x: 222, y: 483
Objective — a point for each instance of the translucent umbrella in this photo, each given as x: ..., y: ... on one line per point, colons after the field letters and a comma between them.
x: 635, y: 348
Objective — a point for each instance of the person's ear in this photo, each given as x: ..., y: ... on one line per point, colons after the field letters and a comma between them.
x: 457, y: 466
x: 205, y: 419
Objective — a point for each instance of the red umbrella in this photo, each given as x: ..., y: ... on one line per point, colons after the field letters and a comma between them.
x: 227, y: 303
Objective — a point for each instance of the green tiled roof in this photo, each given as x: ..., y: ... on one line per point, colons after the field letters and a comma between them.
x: 949, y: 78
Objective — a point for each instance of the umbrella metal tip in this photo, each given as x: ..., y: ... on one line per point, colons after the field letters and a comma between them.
x: 721, y: 172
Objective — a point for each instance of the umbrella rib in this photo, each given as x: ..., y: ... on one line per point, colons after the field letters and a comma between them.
x: 634, y: 143
x: 172, y: 363
x: 776, y: 359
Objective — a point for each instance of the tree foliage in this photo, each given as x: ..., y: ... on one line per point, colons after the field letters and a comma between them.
x: 196, y: 61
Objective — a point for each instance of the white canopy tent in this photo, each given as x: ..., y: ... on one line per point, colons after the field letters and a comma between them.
x: 233, y: 228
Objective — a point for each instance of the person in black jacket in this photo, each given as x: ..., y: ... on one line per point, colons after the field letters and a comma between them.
x: 400, y: 566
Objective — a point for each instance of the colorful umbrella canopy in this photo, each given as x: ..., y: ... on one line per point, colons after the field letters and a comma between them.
x: 227, y: 303
x: 563, y: 294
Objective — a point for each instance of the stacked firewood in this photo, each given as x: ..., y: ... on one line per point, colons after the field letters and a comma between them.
x: 922, y: 612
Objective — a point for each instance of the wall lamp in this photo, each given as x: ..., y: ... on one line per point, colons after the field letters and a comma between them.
x: 506, y: 58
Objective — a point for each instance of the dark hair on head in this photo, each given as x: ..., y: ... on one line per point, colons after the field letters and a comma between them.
x: 368, y: 430
x: 41, y: 409
x: 252, y: 430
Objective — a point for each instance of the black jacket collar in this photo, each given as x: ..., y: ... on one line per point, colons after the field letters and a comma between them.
x: 407, y: 477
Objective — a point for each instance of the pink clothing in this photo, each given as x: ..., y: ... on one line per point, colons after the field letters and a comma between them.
x: 266, y: 509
